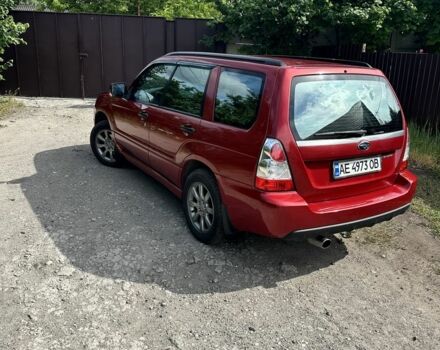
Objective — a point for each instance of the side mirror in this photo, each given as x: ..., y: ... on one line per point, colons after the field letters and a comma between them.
x: 118, y: 89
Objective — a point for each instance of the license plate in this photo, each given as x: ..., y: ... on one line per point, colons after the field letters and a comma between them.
x: 354, y: 167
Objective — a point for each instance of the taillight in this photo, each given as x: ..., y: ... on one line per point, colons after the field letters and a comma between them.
x: 405, y: 160
x: 273, y: 173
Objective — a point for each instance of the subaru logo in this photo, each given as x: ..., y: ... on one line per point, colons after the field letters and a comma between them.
x: 364, y: 145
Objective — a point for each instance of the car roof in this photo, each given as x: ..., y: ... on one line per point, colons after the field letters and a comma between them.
x: 270, y: 60
x: 305, y: 61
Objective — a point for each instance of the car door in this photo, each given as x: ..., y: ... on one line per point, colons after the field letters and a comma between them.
x: 175, y: 123
x: 131, y: 112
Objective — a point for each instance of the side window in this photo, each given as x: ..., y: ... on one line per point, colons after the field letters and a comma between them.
x: 148, y: 88
x: 238, y: 98
x: 186, y: 90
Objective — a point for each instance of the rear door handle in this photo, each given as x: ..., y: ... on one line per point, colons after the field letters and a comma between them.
x: 187, y: 129
x: 143, y: 114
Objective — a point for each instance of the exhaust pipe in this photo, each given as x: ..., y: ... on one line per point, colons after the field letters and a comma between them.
x: 320, y: 242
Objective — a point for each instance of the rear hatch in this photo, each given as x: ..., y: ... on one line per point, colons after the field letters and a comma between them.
x: 349, y: 133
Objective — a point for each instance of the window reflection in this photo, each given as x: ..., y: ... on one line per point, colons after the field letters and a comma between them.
x: 238, y: 98
x: 149, y: 86
x: 186, y: 90
x: 330, y: 104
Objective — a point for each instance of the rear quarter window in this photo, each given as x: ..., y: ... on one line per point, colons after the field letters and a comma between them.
x: 238, y: 98
x: 340, y: 106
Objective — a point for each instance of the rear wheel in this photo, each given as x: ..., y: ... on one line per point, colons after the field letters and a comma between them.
x: 103, y: 145
x: 202, y: 206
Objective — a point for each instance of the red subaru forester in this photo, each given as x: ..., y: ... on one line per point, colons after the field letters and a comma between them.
x: 278, y: 146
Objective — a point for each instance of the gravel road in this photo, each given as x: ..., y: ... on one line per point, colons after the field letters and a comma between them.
x: 99, y: 258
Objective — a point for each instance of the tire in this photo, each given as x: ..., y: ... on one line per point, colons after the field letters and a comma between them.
x: 204, y: 216
x: 103, y: 145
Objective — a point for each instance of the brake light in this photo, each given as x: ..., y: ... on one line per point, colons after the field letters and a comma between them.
x: 273, y: 173
x: 405, y: 160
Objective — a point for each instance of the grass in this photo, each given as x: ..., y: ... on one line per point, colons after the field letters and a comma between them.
x: 379, y: 235
x: 425, y: 148
x: 8, y: 104
x: 425, y: 161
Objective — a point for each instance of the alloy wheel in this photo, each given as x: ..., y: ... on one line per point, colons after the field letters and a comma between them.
x: 105, y: 144
x: 200, y: 207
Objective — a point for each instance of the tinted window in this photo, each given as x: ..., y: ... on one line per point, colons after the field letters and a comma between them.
x: 186, y: 89
x: 148, y: 88
x: 238, y: 98
x: 338, y: 106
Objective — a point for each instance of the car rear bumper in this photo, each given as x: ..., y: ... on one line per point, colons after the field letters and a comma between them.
x: 287, y: 214
x: 352, y: 225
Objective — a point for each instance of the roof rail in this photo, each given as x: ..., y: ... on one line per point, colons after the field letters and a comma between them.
x: 334, y: 60
x: 245, y: 58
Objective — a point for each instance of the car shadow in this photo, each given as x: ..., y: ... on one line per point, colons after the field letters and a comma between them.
x: 121, y: 224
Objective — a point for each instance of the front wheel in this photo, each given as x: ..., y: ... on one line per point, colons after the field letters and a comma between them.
x: 202, y: 206
x: 103, y: 145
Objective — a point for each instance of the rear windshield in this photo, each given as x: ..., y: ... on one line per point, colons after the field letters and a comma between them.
x: 341, y: 106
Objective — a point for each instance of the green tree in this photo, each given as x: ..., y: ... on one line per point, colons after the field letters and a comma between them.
x: 370, y: 21
x: 133, y: 7
x: 164, y: 8
x: 288, y: 26
x: 189, y: 9
x: 10, y: 32
x: 275, y: 26
x: 429, y: 27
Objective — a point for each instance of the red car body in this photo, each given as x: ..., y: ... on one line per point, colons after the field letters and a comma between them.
x: 316, y: 204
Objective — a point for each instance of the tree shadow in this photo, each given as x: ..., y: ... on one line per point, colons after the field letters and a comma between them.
x: 121, y: 224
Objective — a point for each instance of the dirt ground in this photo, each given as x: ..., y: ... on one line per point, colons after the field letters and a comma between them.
x: 99, y: 258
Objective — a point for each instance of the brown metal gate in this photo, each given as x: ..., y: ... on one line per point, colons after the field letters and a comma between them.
x: 79, y: 55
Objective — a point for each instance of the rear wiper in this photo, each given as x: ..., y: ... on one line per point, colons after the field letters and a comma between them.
x: 342, y: 133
